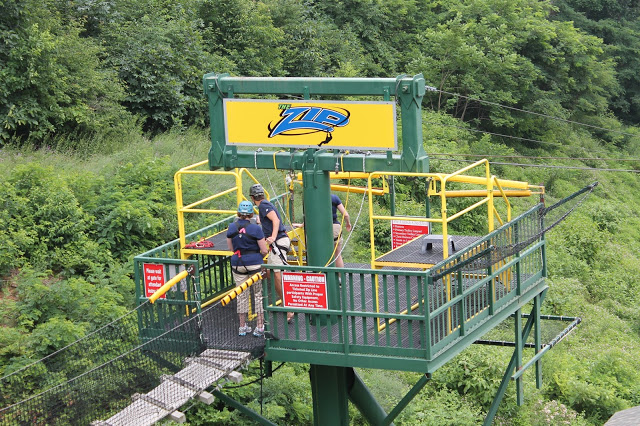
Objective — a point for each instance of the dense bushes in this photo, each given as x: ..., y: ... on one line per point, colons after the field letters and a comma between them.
x: 89, y: 68
x: 52, y: 81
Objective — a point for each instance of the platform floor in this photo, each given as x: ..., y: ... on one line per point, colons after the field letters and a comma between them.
x: 411, y: 253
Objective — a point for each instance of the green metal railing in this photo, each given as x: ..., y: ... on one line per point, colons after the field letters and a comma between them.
x: 422, y: 315
x: 211, y: 278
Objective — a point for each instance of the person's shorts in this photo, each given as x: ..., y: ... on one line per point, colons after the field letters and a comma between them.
x: 240, y: 275
x: 273, y: 258
x: 336, y: 233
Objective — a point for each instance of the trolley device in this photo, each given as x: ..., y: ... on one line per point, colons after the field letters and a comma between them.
x: 414, y: 307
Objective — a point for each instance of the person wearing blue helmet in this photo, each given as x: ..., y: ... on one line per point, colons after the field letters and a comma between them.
x: 246, y: 240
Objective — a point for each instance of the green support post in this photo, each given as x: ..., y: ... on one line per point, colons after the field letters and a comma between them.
x: 329, y: 391
x: 218, y: 139
x: 410, y: 94
x: 537, y: 339
x: 518, y: 352
x: 319, y: 228
x: 328, y: 383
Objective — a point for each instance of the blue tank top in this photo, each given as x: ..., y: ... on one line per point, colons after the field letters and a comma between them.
x: 335, y: 202
x: 267, y: 225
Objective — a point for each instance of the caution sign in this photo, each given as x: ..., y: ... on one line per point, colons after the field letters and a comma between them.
x: 153, y: 278
x: 304, y: 290
x: 403, y: 231
x: 311, y: 124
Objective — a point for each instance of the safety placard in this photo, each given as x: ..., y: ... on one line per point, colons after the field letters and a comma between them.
x: 403, y: 231
x: 304, y: 290
x: 153, y: 278
x: 311, y: 124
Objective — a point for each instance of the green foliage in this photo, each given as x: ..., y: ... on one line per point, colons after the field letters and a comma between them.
x: 315, y: 46
x: 286, y: 399
x: 243, y: 30
x: 52, y: 80
x: 45, y: 224
x: 475, y: 374
x: 136, y: 211
x: 161, y: 59
x: 539, y: 65
x: 75, y: 299
x: 617, y: 25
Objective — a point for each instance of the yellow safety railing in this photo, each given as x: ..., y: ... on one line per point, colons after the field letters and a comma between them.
x: 489, y: 182
x: 350, y: 188
x: 167, y: 286
x: 182, y: 209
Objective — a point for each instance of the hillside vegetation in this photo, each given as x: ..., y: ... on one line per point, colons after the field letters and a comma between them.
x: 100, y: 104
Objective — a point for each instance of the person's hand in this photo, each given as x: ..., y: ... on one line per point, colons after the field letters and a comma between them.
x: 349, y: 227
x: 269, y: 240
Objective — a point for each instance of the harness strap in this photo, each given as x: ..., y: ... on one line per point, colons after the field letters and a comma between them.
x: 241, y: 230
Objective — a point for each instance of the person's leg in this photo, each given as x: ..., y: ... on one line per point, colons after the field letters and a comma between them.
x: 274, y: 259
x: 278, y: 283
x: 242, y: 317
x: 337, y: 241
x: 339, y: 261
x: 242, y: 306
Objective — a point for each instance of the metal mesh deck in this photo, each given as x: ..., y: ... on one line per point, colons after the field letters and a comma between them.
x: 411, y: 252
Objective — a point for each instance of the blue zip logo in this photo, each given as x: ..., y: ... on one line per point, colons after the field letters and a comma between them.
x: 307, y: 120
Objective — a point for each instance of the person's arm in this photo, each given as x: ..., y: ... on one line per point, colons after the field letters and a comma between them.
x: 229, y: 244
x: 273, y: 216
x: 263, y: 246
x: 344, y: 213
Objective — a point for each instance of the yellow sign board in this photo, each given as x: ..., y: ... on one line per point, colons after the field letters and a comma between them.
x: 311, y: 124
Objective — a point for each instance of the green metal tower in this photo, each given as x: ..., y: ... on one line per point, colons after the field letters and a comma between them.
x: 332, y: 386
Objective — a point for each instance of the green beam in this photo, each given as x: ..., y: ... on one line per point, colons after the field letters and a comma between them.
x: 326, y: 160
x: 407, y: 399
x: 225, y: 85
x: 511, y: 367
x: 364, y: 400
x: 410, y: 93
x: 243, y: 409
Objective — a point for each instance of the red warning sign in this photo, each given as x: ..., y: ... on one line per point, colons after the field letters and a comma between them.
x: 153, y: 278
x: 403, y: 231
x: 304, y: 290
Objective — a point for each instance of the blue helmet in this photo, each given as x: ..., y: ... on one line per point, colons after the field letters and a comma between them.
x: 245, y: 207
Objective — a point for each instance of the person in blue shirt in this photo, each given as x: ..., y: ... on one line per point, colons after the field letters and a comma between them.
x: 246, y: 240
x: 337, y: 206
x: 274, y: 232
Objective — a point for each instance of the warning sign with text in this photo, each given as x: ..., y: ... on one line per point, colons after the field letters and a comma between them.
x: 153, y: 278
x: 403, y: 231
x: 304, y: 290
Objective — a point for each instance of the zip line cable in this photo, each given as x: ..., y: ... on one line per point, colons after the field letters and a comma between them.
x: 512, y: 137
x: 549, y: 166
x: 438, y: 154
x: 433, y: 89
